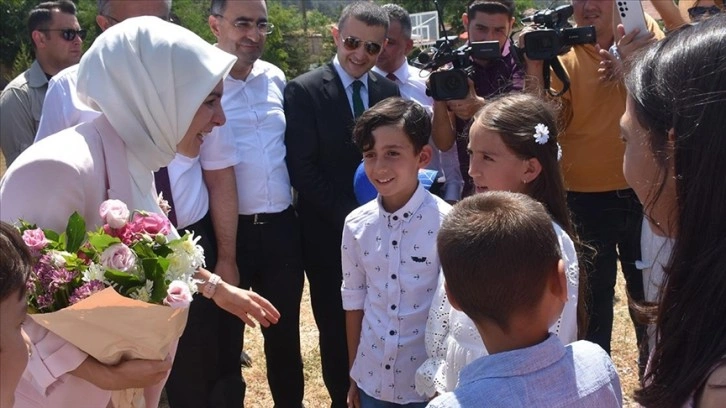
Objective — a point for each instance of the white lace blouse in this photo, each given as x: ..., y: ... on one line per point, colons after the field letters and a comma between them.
x: 452, y: 340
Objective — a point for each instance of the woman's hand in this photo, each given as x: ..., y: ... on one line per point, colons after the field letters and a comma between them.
x: 126, y: 374
x: 246, y: 305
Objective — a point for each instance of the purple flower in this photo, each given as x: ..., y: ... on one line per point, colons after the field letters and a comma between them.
x: 86, y: 290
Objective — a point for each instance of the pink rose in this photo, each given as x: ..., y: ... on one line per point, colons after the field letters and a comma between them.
x: 151, y: 223
x: 35, y: 239
x: 178, y: 295
x: 119, y: 256
x: 114, y: 213
x: 125, y: 233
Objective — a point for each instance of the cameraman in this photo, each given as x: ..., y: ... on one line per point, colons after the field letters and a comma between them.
x: 605, y: 210
x: 485, y: 20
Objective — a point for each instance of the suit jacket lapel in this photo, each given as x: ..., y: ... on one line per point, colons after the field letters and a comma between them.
x: 334, y: 92
x: 374, y: 92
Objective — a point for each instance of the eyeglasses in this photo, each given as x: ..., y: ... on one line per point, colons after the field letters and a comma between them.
x: 699, y: 12
x: 244, y: 26
x: 68, y: 34
x: 352, y: 44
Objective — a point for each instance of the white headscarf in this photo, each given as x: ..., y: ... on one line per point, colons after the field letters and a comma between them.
x: 149, y: 78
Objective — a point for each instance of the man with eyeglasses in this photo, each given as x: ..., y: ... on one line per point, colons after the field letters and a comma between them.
x: 484, y: 20
x: 321, y: 107
x: 56, y: 38
x: 203, y: 196
x: 268, y: 247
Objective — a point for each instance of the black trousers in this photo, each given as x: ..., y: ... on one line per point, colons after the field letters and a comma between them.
x: 610, y: 222
x: 269, y: 259
x: 207, y: 370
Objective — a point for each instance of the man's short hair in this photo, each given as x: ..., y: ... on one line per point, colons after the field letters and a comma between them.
x: 490, y: 7
x: 104, y: 6
x: 398, y: 13
x: 41, y: 16
x: 366, y: 12
x: 497, y: 250
x: 393, y: 111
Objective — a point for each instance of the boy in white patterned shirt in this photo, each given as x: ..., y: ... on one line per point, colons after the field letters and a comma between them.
x: 390, y: 264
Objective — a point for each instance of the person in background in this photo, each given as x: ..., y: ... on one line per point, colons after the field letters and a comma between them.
x: 675, y: 15
x: 485, y: 20
x: 605, y: 210
x: 268, y: 250
x: 57, y: 38
x: 321, y: 107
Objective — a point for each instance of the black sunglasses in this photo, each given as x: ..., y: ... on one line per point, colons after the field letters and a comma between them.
x: 352, y: 43
x: 68, y: 34
x: 698, y: 12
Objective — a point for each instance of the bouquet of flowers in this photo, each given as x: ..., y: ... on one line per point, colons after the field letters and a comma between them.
x: 119, y: 292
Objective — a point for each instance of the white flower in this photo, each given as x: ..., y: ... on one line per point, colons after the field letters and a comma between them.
x: 94, y: 272
x: 143, y: 293
x: 541, y: 134
x: 58, y: 258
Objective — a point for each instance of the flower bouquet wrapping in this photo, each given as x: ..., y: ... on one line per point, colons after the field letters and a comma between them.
x: 120, y: 292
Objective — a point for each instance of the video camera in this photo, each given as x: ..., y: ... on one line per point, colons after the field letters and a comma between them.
x: 452, y: 84
x: 554, y: 36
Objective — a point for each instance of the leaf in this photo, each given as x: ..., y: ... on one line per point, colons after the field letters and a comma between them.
x: 102, y: 241
x: 123, y: 281
x: 75, y: 232
x: 51, y: 235
x: 154, y: 270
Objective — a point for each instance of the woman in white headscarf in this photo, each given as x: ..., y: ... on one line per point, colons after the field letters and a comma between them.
x: 159, y: 89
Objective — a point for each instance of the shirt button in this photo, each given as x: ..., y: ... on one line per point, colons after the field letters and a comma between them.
x: 395, y: 218
x: 393, y: 307
x: 388, y: 366
x: 392, y: 332
x: 394, y: 242
x: 393, y: 276
x: 405, y: 215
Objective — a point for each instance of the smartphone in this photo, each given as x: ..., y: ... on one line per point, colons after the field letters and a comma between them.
x: 632, y: 16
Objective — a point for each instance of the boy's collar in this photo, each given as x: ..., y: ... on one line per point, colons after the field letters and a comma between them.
x: 408, y: 211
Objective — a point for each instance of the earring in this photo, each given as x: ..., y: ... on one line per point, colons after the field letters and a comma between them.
x: 525, y: 181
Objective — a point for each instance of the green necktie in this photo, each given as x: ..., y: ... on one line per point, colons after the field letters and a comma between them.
x: 357, y: 100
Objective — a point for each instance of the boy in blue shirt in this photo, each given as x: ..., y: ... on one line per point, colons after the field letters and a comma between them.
x: 390, y: 264
x: 503, y: 268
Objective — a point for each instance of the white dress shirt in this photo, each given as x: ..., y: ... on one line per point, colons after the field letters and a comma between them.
x: 256, y: 124
x: 390, y: 271
x: 411, y: 82
x: 62, y: 109
x: 348, y: 85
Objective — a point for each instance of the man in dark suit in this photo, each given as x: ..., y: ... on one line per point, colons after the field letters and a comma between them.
x: 321, y: 107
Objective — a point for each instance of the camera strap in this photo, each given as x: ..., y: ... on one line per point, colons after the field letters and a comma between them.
x: 556, y: 66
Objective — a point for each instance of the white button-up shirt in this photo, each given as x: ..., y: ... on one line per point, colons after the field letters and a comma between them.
x: 411, y: 82
x: 390, y: 271
x: 256, y: 122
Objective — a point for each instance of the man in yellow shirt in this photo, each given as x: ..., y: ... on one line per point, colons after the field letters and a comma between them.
x: 604, y: 208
